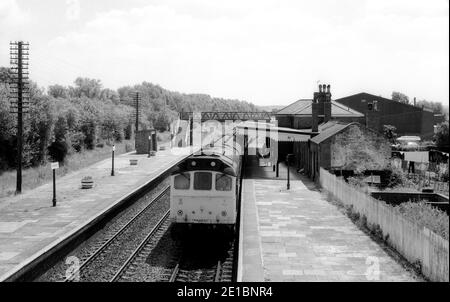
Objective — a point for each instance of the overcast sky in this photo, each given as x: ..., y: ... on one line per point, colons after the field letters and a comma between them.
x: 266, y: 52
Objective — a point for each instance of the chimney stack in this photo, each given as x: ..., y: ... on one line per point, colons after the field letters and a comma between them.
x: 327, y: 105
x: 315, y: 110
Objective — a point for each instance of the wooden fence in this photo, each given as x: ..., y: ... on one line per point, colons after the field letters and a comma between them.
x: 415, y: 243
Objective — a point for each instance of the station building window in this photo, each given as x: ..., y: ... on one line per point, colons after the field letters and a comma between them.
x: 202, y: 181
x: 223, y: 182
x: 182, y: 181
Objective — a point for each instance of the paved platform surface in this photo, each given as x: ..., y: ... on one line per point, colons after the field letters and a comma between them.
x: 297, y: 235
x: 29, y: 224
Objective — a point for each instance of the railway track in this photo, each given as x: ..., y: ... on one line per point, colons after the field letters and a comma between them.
x: 221, y: 272
x: 132, y: 264
x: 114, y: 237
x: 204, y: 275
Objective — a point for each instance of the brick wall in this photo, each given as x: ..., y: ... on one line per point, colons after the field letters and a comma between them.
x: 408, y: 119
x: 141, y: 141
x: 358, y: 146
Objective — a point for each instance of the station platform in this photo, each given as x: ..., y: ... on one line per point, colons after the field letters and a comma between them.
x: 297, y: 235
x: 30, y: 226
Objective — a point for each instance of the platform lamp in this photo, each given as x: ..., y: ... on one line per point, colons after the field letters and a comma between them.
x: 112, y: 159
x: 288, y: 158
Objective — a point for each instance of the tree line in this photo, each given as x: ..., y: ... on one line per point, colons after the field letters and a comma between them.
x: 64, y: 119
x: 436, y: 107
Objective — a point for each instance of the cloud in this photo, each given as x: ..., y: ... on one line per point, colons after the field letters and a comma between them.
x: 268, y: 52
x: 12, y: 21
x: 11, y: 14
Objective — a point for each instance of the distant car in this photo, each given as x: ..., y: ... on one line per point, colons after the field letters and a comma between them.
x: 162, y: 148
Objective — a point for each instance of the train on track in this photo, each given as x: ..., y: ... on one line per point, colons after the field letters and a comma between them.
x: 205, y: 186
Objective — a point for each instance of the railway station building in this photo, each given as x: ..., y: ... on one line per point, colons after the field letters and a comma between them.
x: 339, y: 138
x: 409, y: 120
x: 367, y: 109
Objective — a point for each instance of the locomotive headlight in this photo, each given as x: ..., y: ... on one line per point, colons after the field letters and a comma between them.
x: 193, y: 163
x: 180, y: 213
x: 224, y: 213
x: 213, y: 164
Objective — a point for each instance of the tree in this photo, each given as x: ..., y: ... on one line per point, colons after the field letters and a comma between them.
x: 5, y: 76
x: 81, y: 116
x: 58, y: 151
x: 109, y: 94
x: 390, y: 132
x: 58, y: 91
x: 400, y: 97
x: 85, y: 87
x: 38, y: 130
x: 435, y: 106
x: 441, y: 136
x: 163, y: 120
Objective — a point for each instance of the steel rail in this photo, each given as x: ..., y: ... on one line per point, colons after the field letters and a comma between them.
x: 139, y: 248
x: 105, y: 245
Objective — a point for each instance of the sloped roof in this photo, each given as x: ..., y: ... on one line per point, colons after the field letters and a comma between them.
x: 296, y: 107
x: 365, y: 95
x: 304, y: 107
x: 328, y: 130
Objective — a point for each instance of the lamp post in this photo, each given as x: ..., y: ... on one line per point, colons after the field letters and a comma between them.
x: 288, y: 157
x: 277, y: 169
x: 112, y: 160
x: 149, y: 145
x: 54, y: 166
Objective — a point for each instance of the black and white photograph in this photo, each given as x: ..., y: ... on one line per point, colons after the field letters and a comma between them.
x: 226, y: 149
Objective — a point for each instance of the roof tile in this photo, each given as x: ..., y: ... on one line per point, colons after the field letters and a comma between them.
x: 303, y: 107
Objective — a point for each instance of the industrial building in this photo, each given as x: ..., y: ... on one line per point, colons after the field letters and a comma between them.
x: 379, y: 111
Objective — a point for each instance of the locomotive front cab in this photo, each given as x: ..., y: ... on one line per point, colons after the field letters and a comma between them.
x: 203, y: 196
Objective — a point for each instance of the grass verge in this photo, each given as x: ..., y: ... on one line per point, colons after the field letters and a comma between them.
x: 37, y: 176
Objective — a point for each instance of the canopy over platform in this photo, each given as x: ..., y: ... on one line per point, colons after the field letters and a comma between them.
x: 279, y: 134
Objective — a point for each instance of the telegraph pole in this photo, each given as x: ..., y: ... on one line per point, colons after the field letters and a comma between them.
x: 136, y: 99
x: 19, y: 96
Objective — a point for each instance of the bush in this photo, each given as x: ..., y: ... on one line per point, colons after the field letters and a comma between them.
x: 127, y: 132
x: 76, y: 140
x: 128, y: 147
x: 426, y: 215
x: 100, y: 145
x: 442, y: 136
x: 397, y: 177
x: 444, y: 177
x: 58, y: 151
x: 357, y: 182
x: 88, y: 130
